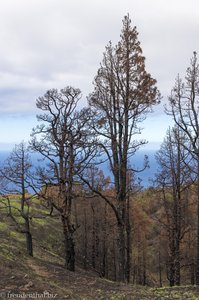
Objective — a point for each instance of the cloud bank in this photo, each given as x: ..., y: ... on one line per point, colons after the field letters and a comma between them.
x: 53, y: 43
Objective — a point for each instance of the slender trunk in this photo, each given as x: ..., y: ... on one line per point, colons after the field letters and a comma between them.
x: 103, y: 267
x: 66, y: 196
x: 114, y: 262
x: 104, y: 245
x: 177, y: 265
x: 134, y: 273
x: 128, y: 242
x: 171, y: 271
x: 171, y: 274
x: 139, y: 270
x: 197, y: 238
x: 192, y: 273
x: 93, y: 255
x: 29, y: 244
x: 121, y: 253
x: 69, y: 244
x: 144, y: 268
x: 178, y: 217
x: 160, y: 268
x: 192, y: 266
x: 85, y: 242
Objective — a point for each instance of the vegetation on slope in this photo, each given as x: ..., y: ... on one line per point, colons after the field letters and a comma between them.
x: 45, y: 274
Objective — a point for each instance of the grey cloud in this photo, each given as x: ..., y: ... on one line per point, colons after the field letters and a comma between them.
x: 54, y: 43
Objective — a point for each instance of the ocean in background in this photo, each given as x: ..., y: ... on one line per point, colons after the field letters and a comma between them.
x: 137, y: 163
x: 3, y: 155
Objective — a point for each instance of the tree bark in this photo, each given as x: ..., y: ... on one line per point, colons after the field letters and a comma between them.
x: 128, y: 242
x: 85, y: 242
x: 197, y: 239
x: 192, y: 273
x: 121, y: 253
x: 160, y: 268
x: 177, y: 264
x: 104, y: 272
x: 171, y: 271
x: 69, y: 245
x: 29, y: 243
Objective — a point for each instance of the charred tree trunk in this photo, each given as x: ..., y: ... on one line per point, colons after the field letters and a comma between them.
x: 93, y: 255
x: 29, y: 244
x: 104, y: 246
x: 128, y: 242
x: 160, y: 268
x: 171, y: 263
x: 177, y: 265
x: 69, y: 244
x: 114, y: 261
x: 197, y: 239
x: 144, y: 268
x: 121, y: 253
x: 85, y: 242
x: 192, y: 273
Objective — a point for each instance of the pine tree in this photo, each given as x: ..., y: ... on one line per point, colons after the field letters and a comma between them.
x: 123, y: 95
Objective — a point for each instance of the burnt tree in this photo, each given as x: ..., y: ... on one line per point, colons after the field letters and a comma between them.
x: 123, y: 95
x: 61, y: 140
x: 173, y: 179
x: 184, y: 108
x: 16, y: 173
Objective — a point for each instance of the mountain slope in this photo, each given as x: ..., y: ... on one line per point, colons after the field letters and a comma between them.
x: 44, y: 275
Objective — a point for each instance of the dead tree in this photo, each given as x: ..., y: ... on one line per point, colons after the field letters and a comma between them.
x: 16, y: 175
x: 184, y: 108
x: 61, y: 140
x: 123, y: 95
x: 173, y: 178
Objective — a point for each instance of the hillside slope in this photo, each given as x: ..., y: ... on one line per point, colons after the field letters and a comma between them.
x: 44, y: 275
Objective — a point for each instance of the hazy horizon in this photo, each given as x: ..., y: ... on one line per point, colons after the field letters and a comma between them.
x: 65, y: 46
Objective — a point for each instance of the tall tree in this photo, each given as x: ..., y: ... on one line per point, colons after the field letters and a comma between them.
x: 16, y: 174
x: 123, y: 95
x: 184, y: 107
x: 60, y: 140
x: 173, y: 179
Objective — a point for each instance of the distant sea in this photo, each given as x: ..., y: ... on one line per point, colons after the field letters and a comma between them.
x: 137, y: 163
x: 148, y: 174
x: 3, y: 156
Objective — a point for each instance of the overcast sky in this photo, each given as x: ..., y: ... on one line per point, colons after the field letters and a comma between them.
x: 54, y: 43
